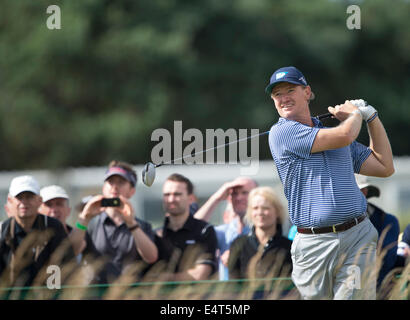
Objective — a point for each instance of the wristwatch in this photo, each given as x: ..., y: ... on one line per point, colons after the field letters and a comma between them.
x: 135, y: 226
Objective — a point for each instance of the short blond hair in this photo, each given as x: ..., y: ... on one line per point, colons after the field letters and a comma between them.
x: 270, y: 195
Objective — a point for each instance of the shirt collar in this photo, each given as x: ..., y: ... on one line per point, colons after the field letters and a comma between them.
x: 188, y: 225
x: 273, y: 239
x: 105, y: 219
x: 19, y: 230
x: 316, y: 121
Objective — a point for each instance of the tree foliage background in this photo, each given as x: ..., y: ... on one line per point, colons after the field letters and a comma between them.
x: 117, y: 70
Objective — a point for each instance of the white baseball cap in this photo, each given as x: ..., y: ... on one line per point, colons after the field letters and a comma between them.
x: 53, y: 192
x: 23, y: 183
x: 362, y: 182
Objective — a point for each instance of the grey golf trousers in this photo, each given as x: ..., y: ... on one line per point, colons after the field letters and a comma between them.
x: 340, y: 266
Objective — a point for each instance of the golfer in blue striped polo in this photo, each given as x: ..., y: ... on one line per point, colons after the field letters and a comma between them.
x: 334, y: 250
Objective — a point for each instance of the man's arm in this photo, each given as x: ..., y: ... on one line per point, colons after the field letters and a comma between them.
x: 380, y: 162
x: 145, y: 246
x: 77, y: 236
x: 342, y: 135
x: 205, y: 212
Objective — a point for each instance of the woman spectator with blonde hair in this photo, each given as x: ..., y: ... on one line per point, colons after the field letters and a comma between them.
x: 263, y: 253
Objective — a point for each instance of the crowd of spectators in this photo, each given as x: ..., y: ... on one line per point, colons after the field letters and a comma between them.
x: 109, y: 241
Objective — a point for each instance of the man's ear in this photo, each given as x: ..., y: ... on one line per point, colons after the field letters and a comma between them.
x: 10, y: 199
x: 191, y: 198
x: 308, y: 92
x: 7, y: 208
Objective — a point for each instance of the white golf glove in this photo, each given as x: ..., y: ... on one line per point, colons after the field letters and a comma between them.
x: 368, y: 112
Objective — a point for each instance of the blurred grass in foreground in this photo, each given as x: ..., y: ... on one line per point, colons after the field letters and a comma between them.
x: 394, y: 287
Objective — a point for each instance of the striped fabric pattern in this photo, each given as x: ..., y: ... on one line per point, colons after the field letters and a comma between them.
x: 320, y: 188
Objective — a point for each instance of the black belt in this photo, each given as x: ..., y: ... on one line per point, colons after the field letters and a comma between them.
x: 335, y: 228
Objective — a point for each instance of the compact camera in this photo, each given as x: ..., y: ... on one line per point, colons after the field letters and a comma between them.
x: 110, y: 202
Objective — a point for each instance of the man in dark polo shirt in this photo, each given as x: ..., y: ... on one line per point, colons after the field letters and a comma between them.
x: 28, y: 240
x: 117, y: 235
x: 187, y: 244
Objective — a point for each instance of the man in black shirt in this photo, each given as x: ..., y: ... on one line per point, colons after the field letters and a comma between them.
x: 29, y: 241
x: 187, y: 244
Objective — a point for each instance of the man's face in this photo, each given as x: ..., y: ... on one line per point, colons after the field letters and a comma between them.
x: 291, y: 99
x: 239, y: 197
x: 175, y: 198
x: 56, y: 208
x: 24, y: 205
x: 116, y: 185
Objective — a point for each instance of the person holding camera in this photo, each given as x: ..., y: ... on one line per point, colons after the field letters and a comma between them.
x: 116, y: 233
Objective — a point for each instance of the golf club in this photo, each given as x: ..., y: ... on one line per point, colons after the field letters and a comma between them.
x: 148, y: 172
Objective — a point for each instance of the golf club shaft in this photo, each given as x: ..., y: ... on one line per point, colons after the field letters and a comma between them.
x: 319, y: 117
x: 213, y: 148
x: 324, y: 116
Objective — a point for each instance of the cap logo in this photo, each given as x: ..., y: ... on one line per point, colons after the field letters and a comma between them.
x: 280, y: 75
x: 303, y: 80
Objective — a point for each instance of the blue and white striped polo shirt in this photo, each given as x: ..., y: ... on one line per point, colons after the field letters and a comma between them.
x: 320, y: 188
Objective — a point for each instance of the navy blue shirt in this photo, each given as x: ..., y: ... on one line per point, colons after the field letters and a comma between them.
x: 382, y: 220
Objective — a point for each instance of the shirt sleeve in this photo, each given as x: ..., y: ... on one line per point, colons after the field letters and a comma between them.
x: 209, y: 243
x: 359, y: 154
x: 292, y: 138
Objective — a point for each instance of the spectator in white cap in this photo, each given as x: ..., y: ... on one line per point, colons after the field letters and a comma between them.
x: 386, y: 224
x: 24, y: 200
x: 29, y: 239
x: 56, y: 204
